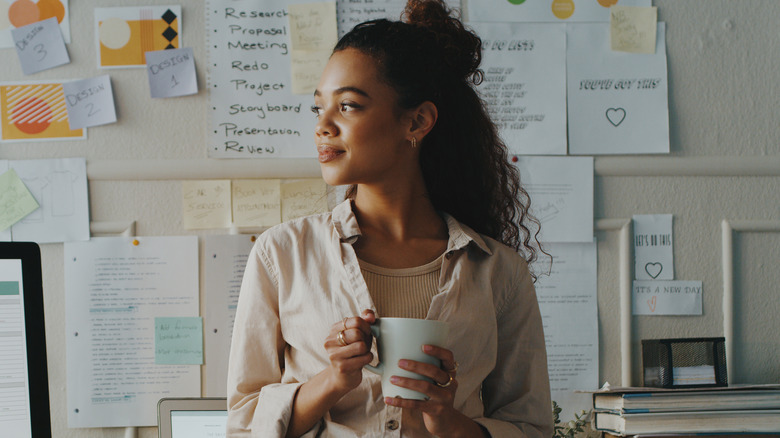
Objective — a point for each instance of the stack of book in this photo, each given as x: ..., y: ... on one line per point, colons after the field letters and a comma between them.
x: 733, y: 410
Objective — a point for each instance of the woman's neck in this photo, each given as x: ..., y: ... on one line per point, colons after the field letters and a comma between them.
x: 400, y: 228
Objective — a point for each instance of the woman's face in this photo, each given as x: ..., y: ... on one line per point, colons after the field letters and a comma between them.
x: 362, y: 136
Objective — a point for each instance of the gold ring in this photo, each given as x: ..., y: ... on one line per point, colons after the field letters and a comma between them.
x: 341, y: 339
x: 444, y: 385
x: 453, y: 369
x: 345, y: 322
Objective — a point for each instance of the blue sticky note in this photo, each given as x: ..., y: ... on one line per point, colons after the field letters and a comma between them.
x: 40, y: 46
x: 178, y: 340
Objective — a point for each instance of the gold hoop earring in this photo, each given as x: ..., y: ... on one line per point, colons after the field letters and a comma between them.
x: 414, y: 142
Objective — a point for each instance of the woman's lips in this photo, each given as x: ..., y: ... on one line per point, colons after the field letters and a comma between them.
x: 327, y: 153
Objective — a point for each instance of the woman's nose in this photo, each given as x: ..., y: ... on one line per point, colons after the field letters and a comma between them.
x: 325, y: 125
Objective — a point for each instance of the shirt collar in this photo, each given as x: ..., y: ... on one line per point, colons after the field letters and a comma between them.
x: 460, y: 234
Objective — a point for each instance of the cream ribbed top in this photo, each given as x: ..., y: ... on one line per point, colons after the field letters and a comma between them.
x: 402, y: 293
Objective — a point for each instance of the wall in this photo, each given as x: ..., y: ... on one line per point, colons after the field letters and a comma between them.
x: 724, y: 76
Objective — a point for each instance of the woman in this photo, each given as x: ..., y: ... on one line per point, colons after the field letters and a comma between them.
x: 431, y: 229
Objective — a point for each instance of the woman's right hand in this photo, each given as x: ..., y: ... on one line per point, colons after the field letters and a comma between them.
x: 349, y: 349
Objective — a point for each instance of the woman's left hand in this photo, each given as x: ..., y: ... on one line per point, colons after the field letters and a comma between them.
x: 438, y: 412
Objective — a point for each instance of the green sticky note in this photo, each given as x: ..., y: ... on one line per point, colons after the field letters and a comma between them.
x: 16, y: 201
x: 178, y: 340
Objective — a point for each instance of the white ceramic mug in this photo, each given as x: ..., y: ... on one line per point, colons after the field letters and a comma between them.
x: 403, y: 338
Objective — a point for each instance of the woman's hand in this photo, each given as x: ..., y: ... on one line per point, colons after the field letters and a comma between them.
x: 349, y: 348
x: 439, y: 415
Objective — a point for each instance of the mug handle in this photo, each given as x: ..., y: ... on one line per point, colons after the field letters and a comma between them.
x: 380, y: 367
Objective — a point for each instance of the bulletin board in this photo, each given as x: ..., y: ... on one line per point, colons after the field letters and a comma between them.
x: 709, y: 158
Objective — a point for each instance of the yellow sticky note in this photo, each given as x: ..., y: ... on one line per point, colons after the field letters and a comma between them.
x: 306, y: 68
x: 16, y: 201
x: 257, y: 202
x: 313, y: 33
x: 313, y: 26
x: 206, y: 204
x: 303, y: 197
x: 633, y: 28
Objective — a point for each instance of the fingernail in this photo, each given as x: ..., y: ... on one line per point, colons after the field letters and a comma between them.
x: 394, y: 379
x: 427, y: 348
x: 403, y: 363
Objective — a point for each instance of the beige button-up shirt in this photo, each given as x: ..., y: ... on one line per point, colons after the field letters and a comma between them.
x: 303, y: 275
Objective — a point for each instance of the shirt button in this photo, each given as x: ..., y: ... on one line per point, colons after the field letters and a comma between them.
x: 392, y: 425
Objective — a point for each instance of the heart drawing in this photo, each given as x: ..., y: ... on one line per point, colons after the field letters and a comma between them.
x: 654, y: 269
x: 616, y: 116
x: 651, y: 303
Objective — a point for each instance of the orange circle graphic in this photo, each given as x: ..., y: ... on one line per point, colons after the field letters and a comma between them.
x: 51, y: 8
x: 23, y: 12
x: 26, y: 108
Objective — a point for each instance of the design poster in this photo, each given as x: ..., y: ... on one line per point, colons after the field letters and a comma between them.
x: 125, y: 34
x: 35, y: 111
x: 18, y: 13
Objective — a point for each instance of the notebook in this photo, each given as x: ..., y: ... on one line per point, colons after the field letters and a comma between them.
x: 192, y: 417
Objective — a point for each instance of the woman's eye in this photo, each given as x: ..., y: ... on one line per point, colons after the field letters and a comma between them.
x: 346, y: 107
x: 316, y: 110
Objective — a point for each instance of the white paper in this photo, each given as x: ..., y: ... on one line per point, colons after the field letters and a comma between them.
x: 353, y: 12
x: 546, y: 11
x: 525, y: 84
x: 252, y: 111
x: 171, y: 72
x: 225, y: 258
x: 5, y: 235
x: 114, y: 289
x: 653, y: 247
x: 40, y: 46
x: 618, y: 102
x: 90, y: 102
x: 667, y: 298
x: 56, y: 8
x: 561, y: 191
x: 567, y: 300
x: 60, y: 187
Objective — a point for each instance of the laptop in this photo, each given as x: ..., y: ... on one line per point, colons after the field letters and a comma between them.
x: 24, y: 391
x: 192, y: 417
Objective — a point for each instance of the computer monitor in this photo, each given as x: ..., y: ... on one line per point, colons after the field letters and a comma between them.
x: 192, y: 417
x: 24, y: 392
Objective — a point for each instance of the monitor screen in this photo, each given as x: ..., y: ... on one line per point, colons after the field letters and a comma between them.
x: 24, y: 387
x: 198, y: 424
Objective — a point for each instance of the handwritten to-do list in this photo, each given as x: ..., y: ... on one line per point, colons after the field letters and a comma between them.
x: 253, y: 112
x: 525, y: 84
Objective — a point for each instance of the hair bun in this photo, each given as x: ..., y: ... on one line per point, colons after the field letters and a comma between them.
x: 460, y: 49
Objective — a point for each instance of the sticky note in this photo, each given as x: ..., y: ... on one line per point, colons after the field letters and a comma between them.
x: 171, y: 72
x: 313, y: 26
x: 303, y: 197
x: 633, y: 28
x: 306, y: 69
x: 256, y: 202
x: 667, y: 298
x: 206, y: 204
x: 16, y: 201
x: 653, y: 247
x: 40, y: 46
x: 178, y: 340
x: 313, y: 33
x: 90, y: 102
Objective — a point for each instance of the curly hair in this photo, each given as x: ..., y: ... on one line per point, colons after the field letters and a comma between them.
x: 431, y: 56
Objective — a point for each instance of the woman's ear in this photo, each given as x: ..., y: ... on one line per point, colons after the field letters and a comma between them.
x: 423, y: 120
